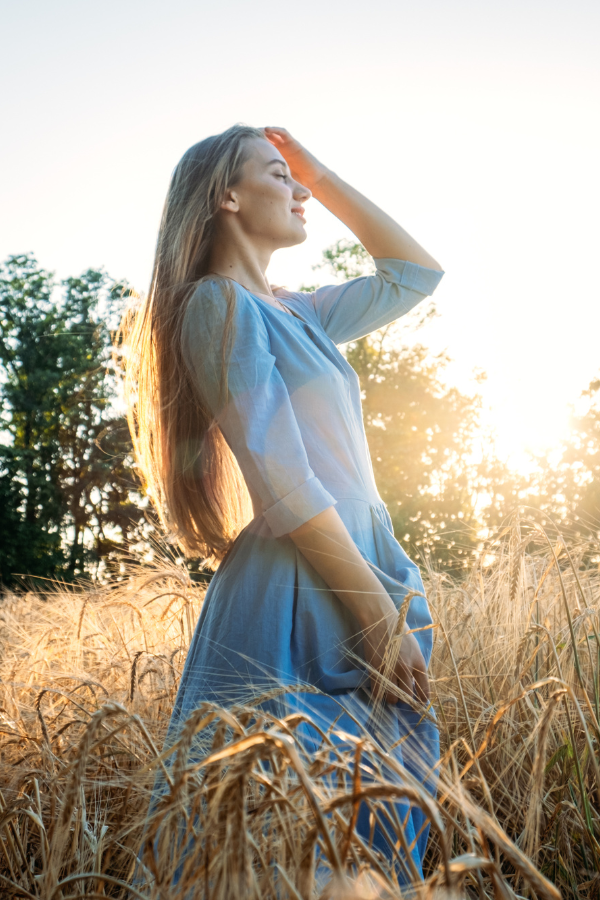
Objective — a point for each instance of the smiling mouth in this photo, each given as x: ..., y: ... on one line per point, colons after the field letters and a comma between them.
x: 299, y: 211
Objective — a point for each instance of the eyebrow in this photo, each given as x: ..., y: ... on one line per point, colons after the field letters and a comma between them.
x: 281, y: 162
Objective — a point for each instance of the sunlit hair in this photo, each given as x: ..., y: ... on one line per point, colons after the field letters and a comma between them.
x: 190, y: 473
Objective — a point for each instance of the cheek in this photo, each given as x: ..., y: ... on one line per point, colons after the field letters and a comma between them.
x: 277, y: 192
x: 275, y: 203
x: 268, y: 203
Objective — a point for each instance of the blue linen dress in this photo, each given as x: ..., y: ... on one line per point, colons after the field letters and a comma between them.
x: 293, y: 419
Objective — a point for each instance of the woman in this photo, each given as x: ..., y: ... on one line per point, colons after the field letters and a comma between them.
x: 230, y: 372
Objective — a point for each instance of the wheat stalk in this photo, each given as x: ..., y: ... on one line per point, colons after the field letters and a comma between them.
x: 245, y: 812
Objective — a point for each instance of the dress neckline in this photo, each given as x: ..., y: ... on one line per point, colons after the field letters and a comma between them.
x: 280, y: 311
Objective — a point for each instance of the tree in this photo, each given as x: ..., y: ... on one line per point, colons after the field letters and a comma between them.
x: 66, y: 480
x: 96, y: 477
x: 29, y: 411
x: 582, y: 455
x: 420, y: 431
x: 567, y: 486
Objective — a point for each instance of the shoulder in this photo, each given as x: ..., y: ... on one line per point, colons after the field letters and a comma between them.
x: 213, y: 298
x: 211, y: 294
x: 219, y: 308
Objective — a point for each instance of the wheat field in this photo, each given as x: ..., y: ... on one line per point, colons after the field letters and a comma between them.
x: 88, y: 679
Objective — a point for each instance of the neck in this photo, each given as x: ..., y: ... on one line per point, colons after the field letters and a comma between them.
x: 238, y: 258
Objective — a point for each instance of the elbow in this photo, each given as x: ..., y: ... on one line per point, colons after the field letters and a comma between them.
x: 434, y: 264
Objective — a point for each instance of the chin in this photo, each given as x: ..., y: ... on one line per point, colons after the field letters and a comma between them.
x: 299, y: 236
x: 289, y: 237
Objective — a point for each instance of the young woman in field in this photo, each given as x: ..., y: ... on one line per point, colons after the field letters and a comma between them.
x: 234, y: 376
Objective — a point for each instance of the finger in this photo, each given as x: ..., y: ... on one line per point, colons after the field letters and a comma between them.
x: 382, y: 690
x: 404, y: 678
x: 403, y: 681
x: 376, y: 687
x: 422, y: 691
x: 280, y: 134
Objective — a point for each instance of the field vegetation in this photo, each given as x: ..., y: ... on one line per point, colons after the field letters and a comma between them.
x: 88, y: 680
x: 91, y: 658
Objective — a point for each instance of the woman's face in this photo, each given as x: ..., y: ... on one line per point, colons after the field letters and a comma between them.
x: 266, y: 200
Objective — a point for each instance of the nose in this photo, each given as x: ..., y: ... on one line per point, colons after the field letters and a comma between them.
x: 300, y: 192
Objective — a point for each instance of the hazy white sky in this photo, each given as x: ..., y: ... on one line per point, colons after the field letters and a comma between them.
x: 475, y: 124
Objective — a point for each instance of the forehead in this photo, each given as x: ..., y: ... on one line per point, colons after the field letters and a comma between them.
x: 262, y: 152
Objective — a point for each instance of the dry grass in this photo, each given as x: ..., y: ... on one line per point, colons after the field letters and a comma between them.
x: 88, y: 681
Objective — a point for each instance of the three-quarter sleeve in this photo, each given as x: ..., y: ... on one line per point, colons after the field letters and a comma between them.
x: 256, y: 415
x: 350, y: 311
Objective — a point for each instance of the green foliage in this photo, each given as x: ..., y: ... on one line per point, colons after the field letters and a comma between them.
x: 434, y: 467
x: 69, y: 498
x: 420, y: 431
x: 420, y: 434
x: 65, y: 471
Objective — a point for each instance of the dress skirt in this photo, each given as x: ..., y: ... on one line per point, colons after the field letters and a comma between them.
x: 270, y: 622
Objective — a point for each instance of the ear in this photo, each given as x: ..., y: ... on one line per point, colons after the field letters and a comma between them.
x: 230, y: 201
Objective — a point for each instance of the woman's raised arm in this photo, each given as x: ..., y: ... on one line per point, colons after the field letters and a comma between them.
x: 380, y: 235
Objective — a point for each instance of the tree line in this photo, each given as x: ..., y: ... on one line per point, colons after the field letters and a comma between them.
x: 435, y: 467
x: 68, y: 491
x: 70, y: 500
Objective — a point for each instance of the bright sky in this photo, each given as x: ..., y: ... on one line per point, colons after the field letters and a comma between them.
x: 474, y: 122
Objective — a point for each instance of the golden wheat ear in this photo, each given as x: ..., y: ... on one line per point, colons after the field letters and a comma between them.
x: 88, y: 680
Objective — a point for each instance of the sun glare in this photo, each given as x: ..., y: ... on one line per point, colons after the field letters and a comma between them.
x: 527, y: 432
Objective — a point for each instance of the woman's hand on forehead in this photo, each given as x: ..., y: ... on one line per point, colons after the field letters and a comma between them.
x: 304, y: 167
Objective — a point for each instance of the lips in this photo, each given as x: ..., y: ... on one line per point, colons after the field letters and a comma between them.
x: 298, y: 211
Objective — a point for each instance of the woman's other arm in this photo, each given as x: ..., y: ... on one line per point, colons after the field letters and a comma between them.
x: 328, y: 546
x: 380, y: 235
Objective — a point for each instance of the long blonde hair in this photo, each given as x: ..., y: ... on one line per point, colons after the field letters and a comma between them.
x: 190, y: 473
